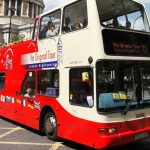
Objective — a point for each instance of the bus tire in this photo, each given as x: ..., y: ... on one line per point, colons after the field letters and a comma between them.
x: 50, y: 126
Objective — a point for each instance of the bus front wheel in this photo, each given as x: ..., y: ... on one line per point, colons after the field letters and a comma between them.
x: 50, y: 126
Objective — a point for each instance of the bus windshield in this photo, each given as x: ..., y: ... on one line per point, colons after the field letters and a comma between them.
x: 119, y: 83
x: 123, y: 14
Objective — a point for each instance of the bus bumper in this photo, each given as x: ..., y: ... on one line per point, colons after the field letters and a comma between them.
x: 108, y: 141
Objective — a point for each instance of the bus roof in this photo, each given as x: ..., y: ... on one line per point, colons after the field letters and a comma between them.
x: 107, y: 2
x: 57, y: 6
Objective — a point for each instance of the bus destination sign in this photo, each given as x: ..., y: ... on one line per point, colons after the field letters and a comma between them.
x: 126, y: 43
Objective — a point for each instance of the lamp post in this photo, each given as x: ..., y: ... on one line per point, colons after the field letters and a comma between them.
x: 11, y: 10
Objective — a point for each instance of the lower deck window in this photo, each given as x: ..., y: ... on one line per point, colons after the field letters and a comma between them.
x: 48, y: 83
x: 2, y: 81
x: 81, y: 87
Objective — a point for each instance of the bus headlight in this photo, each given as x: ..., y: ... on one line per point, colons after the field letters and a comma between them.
x: 107, y: 130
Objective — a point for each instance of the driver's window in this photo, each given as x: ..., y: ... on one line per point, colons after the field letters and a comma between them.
x: 50, y: 25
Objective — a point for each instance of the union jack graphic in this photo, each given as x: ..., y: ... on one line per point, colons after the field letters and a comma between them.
x: 37, y: 105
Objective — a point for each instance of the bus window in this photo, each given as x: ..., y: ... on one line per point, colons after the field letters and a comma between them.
x: 81, y: 87
x: 75, y: 17
x: 48, y: 83
x: 115, y: 85
x: 28, y: 86
x: 50, y: 25
x: 2, y: 81
x: 129, y: 14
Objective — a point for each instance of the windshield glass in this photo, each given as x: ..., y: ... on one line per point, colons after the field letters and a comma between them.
x: 123, y: 14
x: 119, y: 82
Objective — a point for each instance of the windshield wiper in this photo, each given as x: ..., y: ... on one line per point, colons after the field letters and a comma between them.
x: 130, y: 102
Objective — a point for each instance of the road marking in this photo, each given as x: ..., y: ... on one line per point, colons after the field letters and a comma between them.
x: 9, y: 132
x: 56, y: 145
x: 25, y: 143
x: 3, y: 128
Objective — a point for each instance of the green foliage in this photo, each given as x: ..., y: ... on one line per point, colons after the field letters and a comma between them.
x: 16, y: 38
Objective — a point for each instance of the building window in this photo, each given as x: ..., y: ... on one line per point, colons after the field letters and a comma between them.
x: 30, y: 9
x: 6, y: 7
x: 35, y: 9
x: 28, y: 86
x: 2, y: 81
x: 81, y: 87
x: 48, y: 83
x: 19, y: 8
x: 13, y: 6
x: 25, y: 8
x: 1, y: 8
x: 75, y: 17
x: 50, y: 25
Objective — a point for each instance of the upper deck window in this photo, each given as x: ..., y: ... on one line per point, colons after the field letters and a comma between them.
x: 50, y: 25
x: 124, y: 14
x: 75, y: 17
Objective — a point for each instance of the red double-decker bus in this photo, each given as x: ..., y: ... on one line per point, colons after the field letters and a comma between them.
x: 84, y: 75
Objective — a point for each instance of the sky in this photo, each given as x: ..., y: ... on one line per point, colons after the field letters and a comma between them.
x: 52, y: 3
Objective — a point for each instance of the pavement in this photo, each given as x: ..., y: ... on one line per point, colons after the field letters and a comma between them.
x: 17, y: 137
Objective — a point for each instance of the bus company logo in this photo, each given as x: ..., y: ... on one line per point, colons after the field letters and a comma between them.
x: 7, y: 61
x: 33, y: 46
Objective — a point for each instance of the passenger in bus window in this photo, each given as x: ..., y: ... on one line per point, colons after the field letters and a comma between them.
x: 67, y: 25
x: 128, y: 24
x: 85, y: 90
x: 29, y: 92
x: 51, y: 31
x: 115, y: 23
x: 43, y: 32
x: 78, y: 26
x: 45, y: 29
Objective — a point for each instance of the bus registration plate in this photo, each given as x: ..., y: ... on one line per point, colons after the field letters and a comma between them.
x: 141, y: 135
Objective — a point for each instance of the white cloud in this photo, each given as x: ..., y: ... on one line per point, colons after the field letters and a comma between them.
x: 144, y: 1
x: 53, y: 3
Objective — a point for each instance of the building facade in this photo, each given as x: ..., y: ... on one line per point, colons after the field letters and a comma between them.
x: 17, y: 18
